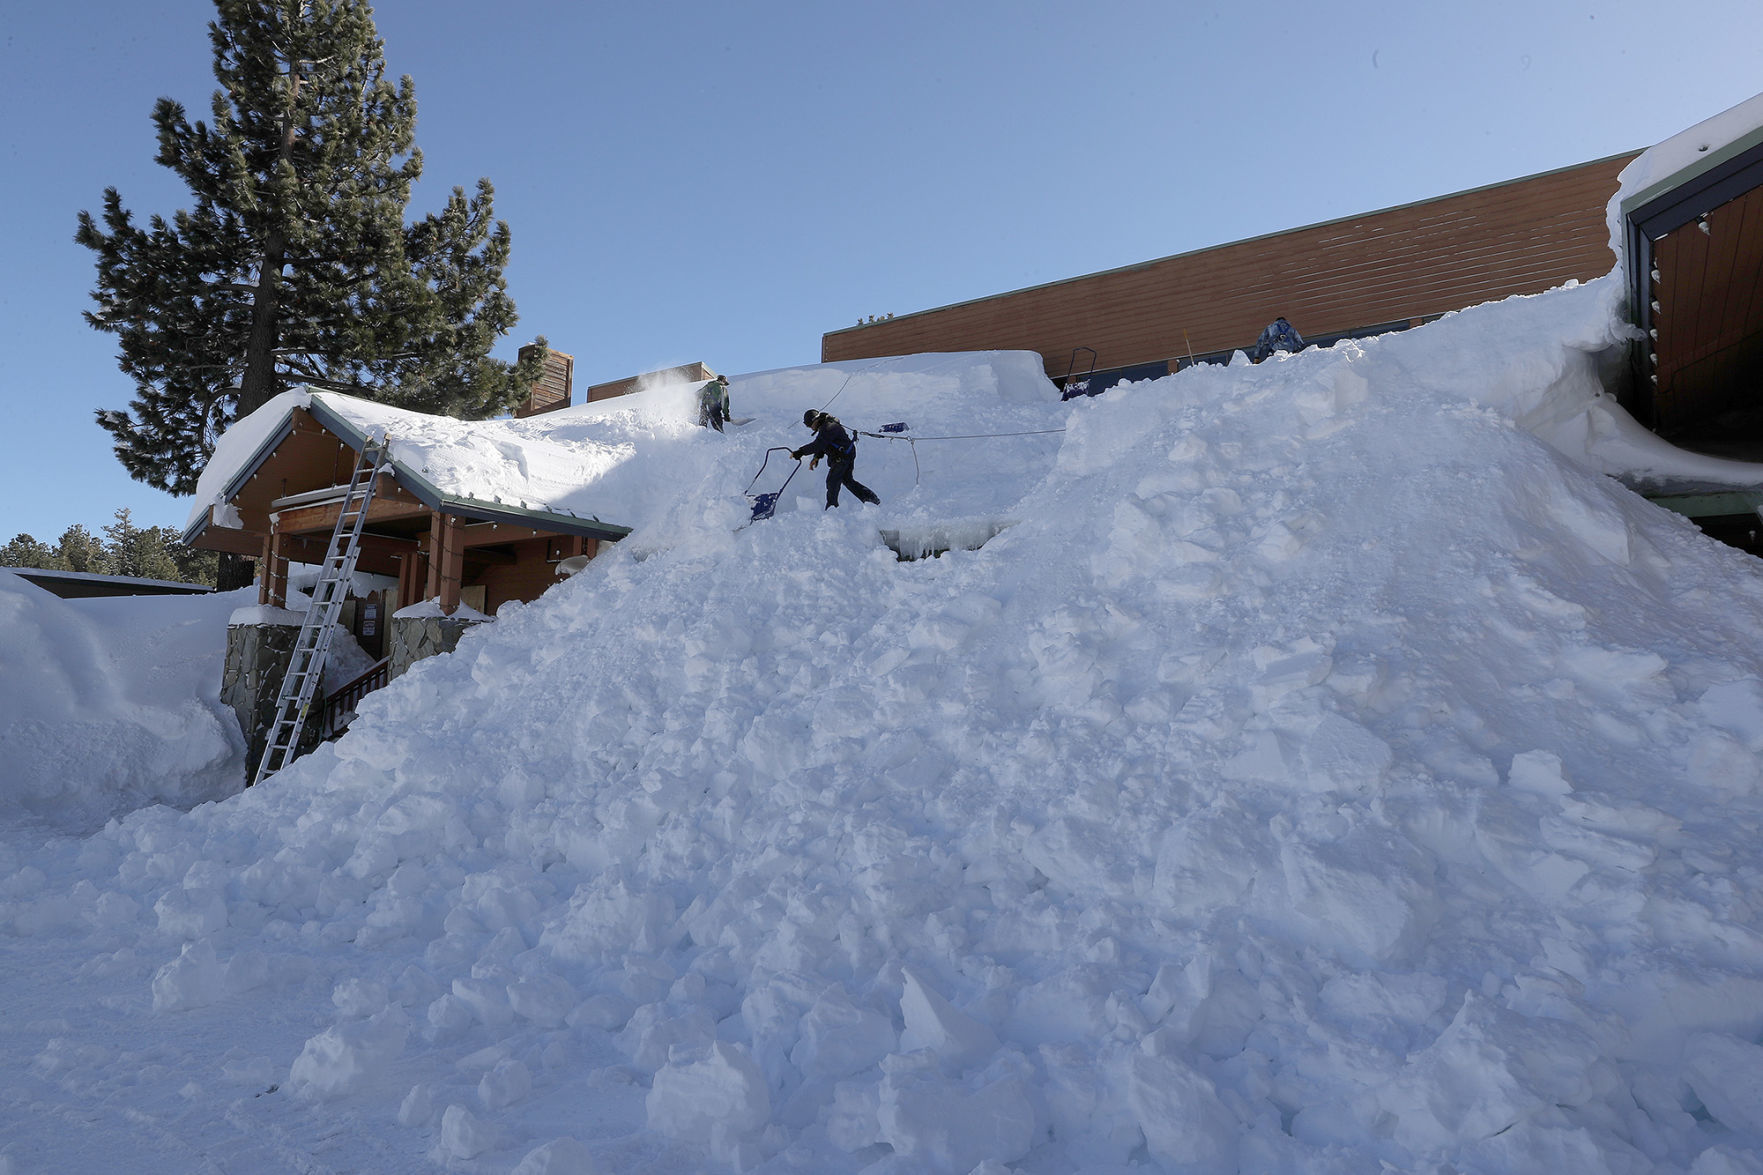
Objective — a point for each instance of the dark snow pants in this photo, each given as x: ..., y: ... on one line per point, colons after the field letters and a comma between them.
x: 838, y: 473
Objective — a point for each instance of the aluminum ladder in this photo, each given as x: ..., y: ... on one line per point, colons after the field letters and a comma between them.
x: 306, y: 666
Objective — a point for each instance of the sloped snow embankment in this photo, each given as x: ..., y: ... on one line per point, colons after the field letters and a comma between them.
x: 110, y: 704
x: 1321, y: 773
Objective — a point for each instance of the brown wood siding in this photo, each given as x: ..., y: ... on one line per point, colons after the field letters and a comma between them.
x: 552, y: 391
x: 524, y: 578
x: 1709, y: 315
x: 1400, y: 264
x: 686, y: 373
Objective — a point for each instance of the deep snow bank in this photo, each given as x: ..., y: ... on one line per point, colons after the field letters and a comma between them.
x: 1319, y: 774
x: 110, y: 704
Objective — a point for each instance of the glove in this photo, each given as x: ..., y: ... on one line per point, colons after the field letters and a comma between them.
x: 813, y: 463
x: 796, y: 453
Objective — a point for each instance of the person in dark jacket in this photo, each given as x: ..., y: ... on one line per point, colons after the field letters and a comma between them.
x: 713, y: 403
x: 1280, y: 335
x: 840, y: 450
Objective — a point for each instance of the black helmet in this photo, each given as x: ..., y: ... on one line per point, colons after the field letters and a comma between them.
x: 809, y: 417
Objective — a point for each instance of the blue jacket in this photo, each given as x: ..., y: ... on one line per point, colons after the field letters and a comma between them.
x: 1280, y: 335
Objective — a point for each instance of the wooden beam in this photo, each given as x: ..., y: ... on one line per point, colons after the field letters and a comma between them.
x: 313, y: 519
x: 479, y: 534
x: 231, y: 540
x: 272, y: 585
x: 447, y: 563
x: 487, y: 555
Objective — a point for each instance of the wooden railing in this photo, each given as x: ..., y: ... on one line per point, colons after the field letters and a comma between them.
x: 339, y: 707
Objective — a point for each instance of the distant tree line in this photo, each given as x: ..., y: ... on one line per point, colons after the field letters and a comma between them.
x: 150, y: 552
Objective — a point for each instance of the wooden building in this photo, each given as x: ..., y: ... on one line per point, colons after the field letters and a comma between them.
x: 440, y: 542
x: 1357, y: 276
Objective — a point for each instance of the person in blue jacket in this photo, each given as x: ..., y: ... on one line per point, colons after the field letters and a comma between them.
x: 840, y: 450
x: 1280, y: 335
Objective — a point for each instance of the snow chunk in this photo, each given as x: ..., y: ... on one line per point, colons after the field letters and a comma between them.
x: 933, y: 1023
x: 711, y: 1095
x: 339, y: 1060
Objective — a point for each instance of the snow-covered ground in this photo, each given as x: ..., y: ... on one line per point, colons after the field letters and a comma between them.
x: 1318, y: 772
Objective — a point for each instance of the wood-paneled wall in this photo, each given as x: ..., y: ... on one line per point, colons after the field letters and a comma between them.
x: 1399, y: 264
x: 1709, y: 307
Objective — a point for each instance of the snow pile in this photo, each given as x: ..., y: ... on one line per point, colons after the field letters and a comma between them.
x: 1314, y: 772
x: 111, y: 703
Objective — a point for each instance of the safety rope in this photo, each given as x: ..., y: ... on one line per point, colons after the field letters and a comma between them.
x: 912, y: 441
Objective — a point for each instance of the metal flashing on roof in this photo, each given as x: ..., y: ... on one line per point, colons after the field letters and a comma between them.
x: 1704, y: 183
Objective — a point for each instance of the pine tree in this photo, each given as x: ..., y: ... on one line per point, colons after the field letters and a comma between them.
x: 79, y: 549
x: 24, y: 550
x: 294, y: 263
x: 138, y: 552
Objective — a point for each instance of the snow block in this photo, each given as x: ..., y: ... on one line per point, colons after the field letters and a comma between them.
x: 933, y: 1023
x: 562, y: 1156
x: 192, y: 980
x: 463, y: 1135
x: 714, y: 1091
x: 339, y: 1060
x: 1178, y: 1109
x: 839, y: 1038
x: 1726, y: 1073
x: 946, y: 1126
x: 509, y: 1082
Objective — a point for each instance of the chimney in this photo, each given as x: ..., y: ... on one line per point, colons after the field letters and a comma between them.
x: 552, y: 390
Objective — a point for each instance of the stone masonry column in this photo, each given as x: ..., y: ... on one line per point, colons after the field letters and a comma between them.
x: 421, y: 631
x: 257, y: 657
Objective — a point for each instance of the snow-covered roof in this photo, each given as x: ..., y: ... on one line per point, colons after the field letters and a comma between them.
x: 1687, y: 156
x: 124, y: 584
x: 605, y: 467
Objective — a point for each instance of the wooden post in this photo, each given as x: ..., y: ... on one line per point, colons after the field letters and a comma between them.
x: 447, y: 561
x: 272, y: 586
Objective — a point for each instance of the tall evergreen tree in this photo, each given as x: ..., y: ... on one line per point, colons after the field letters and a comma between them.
x: 81, y: 550
x: 24, y: 550
x: 138, y: 551
x: 294, y: 263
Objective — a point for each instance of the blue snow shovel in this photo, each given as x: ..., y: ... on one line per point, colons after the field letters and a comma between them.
x: 765, y: 505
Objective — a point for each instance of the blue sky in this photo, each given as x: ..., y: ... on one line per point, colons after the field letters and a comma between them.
x: 727, y: 182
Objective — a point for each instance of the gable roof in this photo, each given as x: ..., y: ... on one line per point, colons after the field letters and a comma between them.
x: 537, y: 472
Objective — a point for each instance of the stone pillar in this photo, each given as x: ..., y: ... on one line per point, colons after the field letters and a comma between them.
x: 424, y: 634
x: 257, y: 657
